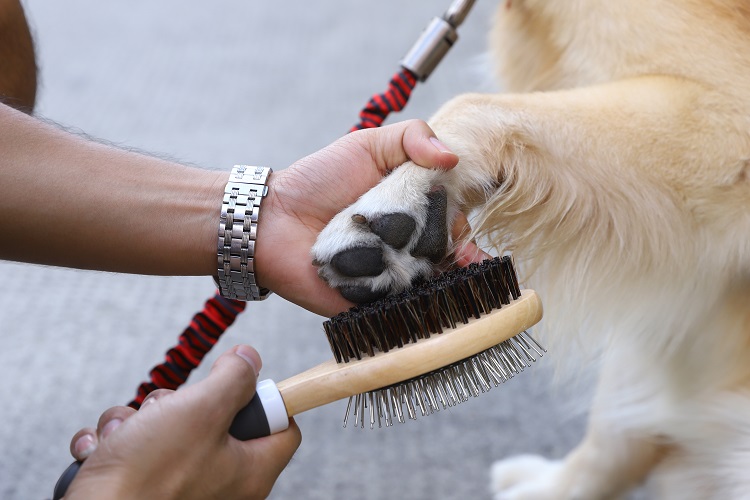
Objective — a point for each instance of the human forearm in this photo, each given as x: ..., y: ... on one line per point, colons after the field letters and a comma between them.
x: 68, y: 201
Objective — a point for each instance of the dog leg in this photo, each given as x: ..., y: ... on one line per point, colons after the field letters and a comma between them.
x: 599, y: 169
x: 604, y: 466
x: 611, y: 459
x: 615, y: 165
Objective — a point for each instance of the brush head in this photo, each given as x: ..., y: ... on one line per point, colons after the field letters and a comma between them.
x: 431, y: 308
x: 442, y: 302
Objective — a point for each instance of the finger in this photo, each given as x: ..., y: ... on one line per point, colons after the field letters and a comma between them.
x: 230, y: 385
x: 111, y: 419
x: 414, y: 140
x: 282, y: 447
x: 274, y: 451
x: 466, y: 251
x: 425, y: 149
x: 84, y: 443
x: 249, y: 354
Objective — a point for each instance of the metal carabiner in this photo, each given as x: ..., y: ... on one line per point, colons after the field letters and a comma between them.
x: 436, y: 40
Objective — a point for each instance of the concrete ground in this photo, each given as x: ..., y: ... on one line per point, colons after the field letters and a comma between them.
x: 214, y: 84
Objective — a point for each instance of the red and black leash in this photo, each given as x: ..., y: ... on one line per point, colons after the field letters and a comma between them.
x: 392, y: 100
x: 219, y: 313
x: 193, y: 344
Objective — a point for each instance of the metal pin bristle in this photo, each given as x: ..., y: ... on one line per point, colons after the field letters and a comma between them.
x: 446, y: 387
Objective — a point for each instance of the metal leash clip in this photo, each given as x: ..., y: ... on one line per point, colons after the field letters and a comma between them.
x: 436, y: 40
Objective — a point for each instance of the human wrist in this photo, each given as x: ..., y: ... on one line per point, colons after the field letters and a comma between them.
x: 268, y: 224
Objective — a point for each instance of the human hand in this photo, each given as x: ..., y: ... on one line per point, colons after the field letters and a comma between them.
x: 303, y: 198
x: 177, y: 445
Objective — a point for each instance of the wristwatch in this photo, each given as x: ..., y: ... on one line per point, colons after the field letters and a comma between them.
x: 238, y: 226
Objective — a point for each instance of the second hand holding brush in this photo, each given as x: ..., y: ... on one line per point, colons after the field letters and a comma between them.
x: 443, y: 341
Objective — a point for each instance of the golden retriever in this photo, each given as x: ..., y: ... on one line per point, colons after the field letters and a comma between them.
x: 617, y: 170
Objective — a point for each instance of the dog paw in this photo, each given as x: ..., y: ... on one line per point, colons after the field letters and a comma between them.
x: 394, y: 234
x: 526, y: 477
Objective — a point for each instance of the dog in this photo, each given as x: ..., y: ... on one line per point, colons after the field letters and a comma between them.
x: 616, y: 169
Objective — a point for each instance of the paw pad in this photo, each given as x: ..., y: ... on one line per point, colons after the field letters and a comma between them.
x: 369, y: 251
x: 394, y: 229
x: 359, y: 261
x: 434, y: 239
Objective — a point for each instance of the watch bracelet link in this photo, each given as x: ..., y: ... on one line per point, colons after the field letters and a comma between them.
x: 238, y: 226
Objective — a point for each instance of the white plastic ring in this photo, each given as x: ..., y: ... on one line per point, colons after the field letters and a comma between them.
x: 273, y: 405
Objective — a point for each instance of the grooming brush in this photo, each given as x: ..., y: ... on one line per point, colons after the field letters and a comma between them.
x: 473, y: 346
x: 435, y: 345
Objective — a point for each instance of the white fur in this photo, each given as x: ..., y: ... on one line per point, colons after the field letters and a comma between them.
x: 618, y: 172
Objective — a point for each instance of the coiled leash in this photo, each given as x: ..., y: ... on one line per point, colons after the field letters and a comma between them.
x: 219, y: 313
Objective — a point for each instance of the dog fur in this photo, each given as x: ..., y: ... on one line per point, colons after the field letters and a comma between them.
x: 617, y: 171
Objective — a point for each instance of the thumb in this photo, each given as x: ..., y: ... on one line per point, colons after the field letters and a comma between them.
x: 231, y: 383
x: 392, y: 145
x: 425, y: 149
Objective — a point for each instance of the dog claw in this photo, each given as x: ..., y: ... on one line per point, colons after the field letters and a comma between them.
x: 359, y: 219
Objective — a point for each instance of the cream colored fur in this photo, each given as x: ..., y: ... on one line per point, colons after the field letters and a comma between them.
x: 617, y: 170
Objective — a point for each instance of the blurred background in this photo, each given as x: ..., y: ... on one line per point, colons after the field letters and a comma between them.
x: 214, y: 84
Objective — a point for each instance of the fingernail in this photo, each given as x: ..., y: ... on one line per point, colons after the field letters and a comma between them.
x: 84, y: 446
x: 110, y: 426
x: 248, y: 355
x: 440, y: 146
x: 148, y: 401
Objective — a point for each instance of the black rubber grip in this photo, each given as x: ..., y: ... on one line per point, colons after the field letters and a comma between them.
x: 250, y: 423
x: 67, y: 477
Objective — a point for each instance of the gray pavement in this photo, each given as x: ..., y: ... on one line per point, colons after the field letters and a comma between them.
x: 213, y: 84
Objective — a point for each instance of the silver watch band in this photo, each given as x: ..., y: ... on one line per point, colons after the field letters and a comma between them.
x: 238, y: 227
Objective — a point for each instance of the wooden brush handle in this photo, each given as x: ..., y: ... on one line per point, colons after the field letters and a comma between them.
x: 331, y: 381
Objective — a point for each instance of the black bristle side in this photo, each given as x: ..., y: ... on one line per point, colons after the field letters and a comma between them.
x: 472, y: 293
x: 511, y: 277
x: 446, y: 307
x: 502, y: 281
x: 433, y: 309
x: 492, y: 293
x: 330, y: 335
x: 425, y: 313
x: 426, y: 309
